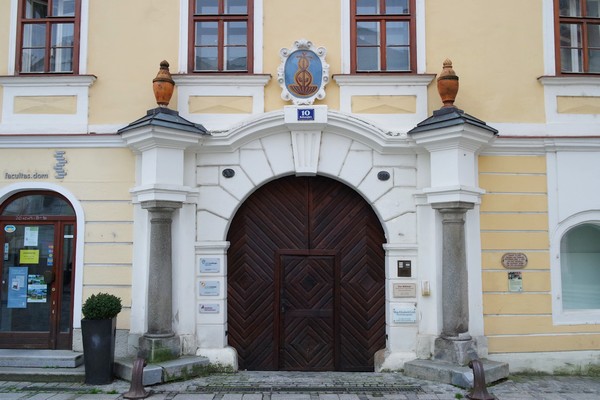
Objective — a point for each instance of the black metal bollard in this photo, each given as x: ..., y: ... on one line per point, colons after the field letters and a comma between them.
x: 479, y: 391
x: 136, y: 390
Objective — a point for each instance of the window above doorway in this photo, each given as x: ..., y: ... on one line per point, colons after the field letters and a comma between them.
x: 220, y: 36
x: 383, y: 37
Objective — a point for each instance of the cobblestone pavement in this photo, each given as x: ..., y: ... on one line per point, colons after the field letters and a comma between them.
x: 311, y: 386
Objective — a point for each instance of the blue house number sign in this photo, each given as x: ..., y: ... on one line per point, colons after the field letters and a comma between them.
x: 306, y: 114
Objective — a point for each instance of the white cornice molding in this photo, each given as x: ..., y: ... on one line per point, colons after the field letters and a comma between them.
x: 541, y: 145
x: 571, y: 80
x: 62, y: 141
x: 47, y: 80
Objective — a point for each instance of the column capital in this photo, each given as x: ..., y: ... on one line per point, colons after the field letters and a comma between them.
x: 161, y: 204
x: 453, y: 206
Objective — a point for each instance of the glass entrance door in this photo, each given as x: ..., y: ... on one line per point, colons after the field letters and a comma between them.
x: 36, y: 285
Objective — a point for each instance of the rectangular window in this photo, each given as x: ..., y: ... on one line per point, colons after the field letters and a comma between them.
x: 383, y: 36
x: 221, y: 36
x: 48, y: 36
x: 578, y: 36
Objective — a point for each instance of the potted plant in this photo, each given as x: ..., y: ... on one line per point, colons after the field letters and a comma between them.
x: 98, y: 329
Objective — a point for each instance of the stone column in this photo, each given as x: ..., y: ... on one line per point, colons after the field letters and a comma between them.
x: 455, y: 343
x: 159, y: 342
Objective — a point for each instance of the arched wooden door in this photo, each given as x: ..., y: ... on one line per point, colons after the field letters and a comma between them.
x: 306, y: 278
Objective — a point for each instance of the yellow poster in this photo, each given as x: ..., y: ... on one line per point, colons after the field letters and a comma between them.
x: 29, y: 257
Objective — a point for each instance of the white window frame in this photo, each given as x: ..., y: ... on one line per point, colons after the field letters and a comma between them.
x: 560, y: 316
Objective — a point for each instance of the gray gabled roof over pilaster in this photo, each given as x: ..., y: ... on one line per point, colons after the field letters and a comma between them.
x: 165, y: 118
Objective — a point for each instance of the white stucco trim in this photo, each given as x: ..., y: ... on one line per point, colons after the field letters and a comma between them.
x: 11, y: 189
x: 548, y: 37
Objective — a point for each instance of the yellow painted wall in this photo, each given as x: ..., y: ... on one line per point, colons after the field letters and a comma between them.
x: 100, y: 179
x: 514, y: 219
x: 4, y: 32
x: 498, y: 80
x: 126, y: 48
x: 315, y: 20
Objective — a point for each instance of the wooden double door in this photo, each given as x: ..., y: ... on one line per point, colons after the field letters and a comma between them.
x: 306, y: 278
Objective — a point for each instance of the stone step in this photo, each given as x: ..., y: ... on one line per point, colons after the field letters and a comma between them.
x: 19, y: 358
x: 30, y: 374
x: 182, y: 368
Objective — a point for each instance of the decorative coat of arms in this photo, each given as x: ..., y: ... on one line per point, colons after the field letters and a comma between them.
x: 303, y: 73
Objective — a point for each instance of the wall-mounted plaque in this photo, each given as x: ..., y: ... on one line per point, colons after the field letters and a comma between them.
x: 515, y: 281
x: 404, y: 313
x: 404, y: 268
x: 514, y: 260
x: 210, y: 265
x: 209, y: 288
x: 209, y: 308
x: 405, y: 290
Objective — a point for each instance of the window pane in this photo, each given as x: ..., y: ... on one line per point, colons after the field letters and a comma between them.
x: 396, y: 7
x: 63, y: 8
x: 36, y: 9
x: 32, y: 60
x: 34, y: 35
x: 571, y: 60
x: 367, y: 59
x: 235, y: 58
x: 396, y: 33
x: 38, y: 204
x: 207, y: 33
x: 580, y: 268
x: 367, y: 7
x: 62, y: 35
x: 593, y: 35
x: 236, y: 7
x: 367, y: 33
x: 594, y: 60
x: 593, y: 8
x: 397, y: 59
x: 235, y: 33
x: 206, y: 59
x: 570, y: 35
x: 570, y: 8
x: 207, y: 7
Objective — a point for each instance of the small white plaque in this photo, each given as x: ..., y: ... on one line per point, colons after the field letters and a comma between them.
x: 210, y: 265
x: 405, y: 289
x: 209, y: 309
x: 404, y: 314
x: 209, y: 288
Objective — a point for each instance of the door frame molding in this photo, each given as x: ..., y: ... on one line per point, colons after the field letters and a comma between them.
x: 9, y: 190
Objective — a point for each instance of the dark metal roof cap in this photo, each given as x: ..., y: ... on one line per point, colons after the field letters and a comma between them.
x: 166, y: 118
x: 450, y: 116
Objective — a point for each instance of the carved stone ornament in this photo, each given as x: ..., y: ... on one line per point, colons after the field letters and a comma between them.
x: 303, y: 73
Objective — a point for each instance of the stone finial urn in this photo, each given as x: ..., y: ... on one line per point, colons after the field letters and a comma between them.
x: 163, y: 85
x: 447, y: 84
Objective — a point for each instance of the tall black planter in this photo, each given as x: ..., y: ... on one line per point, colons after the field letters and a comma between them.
x: 98, y: 349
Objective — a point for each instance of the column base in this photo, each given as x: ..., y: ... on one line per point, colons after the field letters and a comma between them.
x: 155, y: 350
x: 455, y: 351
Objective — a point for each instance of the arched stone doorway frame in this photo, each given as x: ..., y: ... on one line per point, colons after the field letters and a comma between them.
x: 337, y: 146
x: 7, y: 191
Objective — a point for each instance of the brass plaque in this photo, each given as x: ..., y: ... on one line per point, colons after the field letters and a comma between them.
x: 514, y: 260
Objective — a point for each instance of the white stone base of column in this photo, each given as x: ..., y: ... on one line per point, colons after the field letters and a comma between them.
x: 386, y: 360
x: 455, y: 351
x: 225, y: 357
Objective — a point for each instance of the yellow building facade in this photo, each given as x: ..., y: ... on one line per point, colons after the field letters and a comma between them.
x: 234, y: 155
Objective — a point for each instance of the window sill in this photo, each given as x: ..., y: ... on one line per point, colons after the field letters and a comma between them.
x: 45, y: 104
